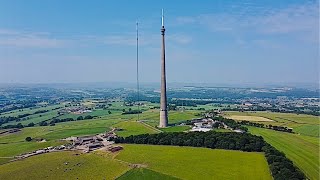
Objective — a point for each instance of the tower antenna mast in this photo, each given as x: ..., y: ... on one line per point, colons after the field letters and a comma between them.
x: 138, y: 88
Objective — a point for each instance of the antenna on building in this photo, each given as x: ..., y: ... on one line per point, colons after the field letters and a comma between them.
x: 137, y: 53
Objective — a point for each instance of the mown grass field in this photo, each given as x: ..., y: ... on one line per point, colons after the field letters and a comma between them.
x: 132, y: 128
x: 176, y: 129
x: 15, y: 144
x: 142, y: 173
x: 197, y: 163
x: 151, y: 117
x: 36, y: 118
x: 301, y: 149
x: 249, y: 118
x: 31, y: 110
x: 4, y: 160
x: 53, y: 166
x: 207, y: 106
x: 301, y: 123
x: 159, y: 162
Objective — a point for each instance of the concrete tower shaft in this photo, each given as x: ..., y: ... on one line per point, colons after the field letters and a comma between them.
x: 163, y: 98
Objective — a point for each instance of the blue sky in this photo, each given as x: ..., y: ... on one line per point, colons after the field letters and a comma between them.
x: 217, y: 41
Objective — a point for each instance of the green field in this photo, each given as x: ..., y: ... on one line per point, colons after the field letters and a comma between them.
x: 208, y: 106
x: 197, y: 163
x: 133, y: 128
x: 151, y: 117
x: 159, y: 162
x: 301, y: 123
x: 31, y: 110
x: 53, y: 166
x: 36, y: 118
x: 176, y: 129
x: 142, y: 173
x: 96, y: 112
x: 302, y: 150
x: 15, y: 144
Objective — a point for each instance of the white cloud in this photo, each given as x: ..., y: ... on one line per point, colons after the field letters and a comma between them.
x: 179, y: 38
x: 304, y: 18
x: 144, y: 39
x: 301, y: 20
x: 12, y: 38
x: 34, y: 39
x: 120, y: 40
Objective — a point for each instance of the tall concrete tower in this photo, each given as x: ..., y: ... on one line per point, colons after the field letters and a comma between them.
x: 163, y: 99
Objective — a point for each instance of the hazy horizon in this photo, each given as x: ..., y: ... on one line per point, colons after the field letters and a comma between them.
x: 213, y: 42
x: 157, y: 85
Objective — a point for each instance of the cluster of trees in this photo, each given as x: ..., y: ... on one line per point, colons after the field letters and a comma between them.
x: 280, y: 166
x: 85, y: 117
x: 15, y: 107
x: 56, y: 108
x: 131, y: 111
x: 279, y: 128
x: 193, y: 103
x: 214, y: 140
x: 294, y: 110
x: 314, y: 112
x: 6, y: 119
x: 239, y: 125
x: 172, y: 107
x: 23, y: 115
x: 57, y: 120
x: 231, y: 123
x: 40, y: 111
x: 260, y: 125
x: 19, y: 126
x: 42, y: 123
x: 249, y: 123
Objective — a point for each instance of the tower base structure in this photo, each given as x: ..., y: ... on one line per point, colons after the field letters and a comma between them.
x: 163, y: 118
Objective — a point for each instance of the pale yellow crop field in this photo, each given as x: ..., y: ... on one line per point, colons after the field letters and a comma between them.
x: 249, y: 118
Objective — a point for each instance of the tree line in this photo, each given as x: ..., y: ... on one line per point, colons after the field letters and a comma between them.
x: 281, y: 167
x: 57, y: 120
x: 6, y: 119
x: 313, y: 111
x: 239, y: 125
x: 46, y: 123
x: 260, y: 125
x: 131, y: 111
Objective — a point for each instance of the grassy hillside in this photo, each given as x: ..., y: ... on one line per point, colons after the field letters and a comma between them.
x: 195, y: 163
x: 302, y: 150
x: 162, y: 162
x: 152, y: 116
x: 142, y: 173
x: 31, y: 110
x: 63, y: 165
x: 301, y: 123
x: 132, y: 128
x: 14, y: 144
x: 176, y: 129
